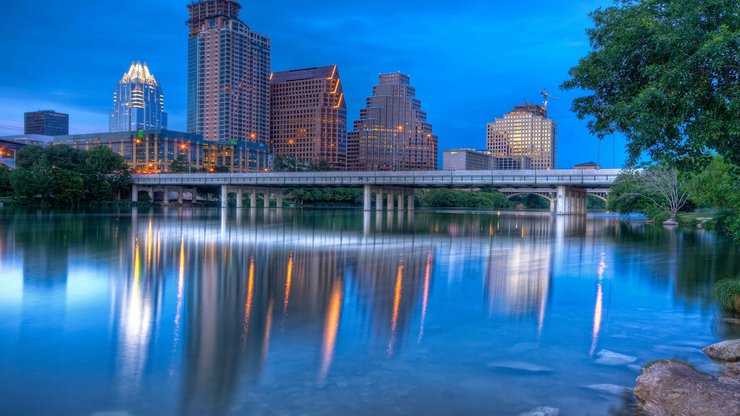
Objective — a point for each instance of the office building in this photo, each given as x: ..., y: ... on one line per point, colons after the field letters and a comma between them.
x: 392, y: 133
x: 138, y: 102
x: 470, y: 159
x: 46, y: 123
x: 153, y: 151
x: 525, y: 131
x: 308, y: 116
x: 228, y: 75
x: 467, y: 159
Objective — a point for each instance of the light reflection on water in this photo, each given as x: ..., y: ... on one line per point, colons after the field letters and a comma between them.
x: 186, y: 311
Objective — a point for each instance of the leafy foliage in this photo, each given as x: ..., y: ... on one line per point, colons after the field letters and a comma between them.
x: 61, y: 175
x: 727, y: 294
x: 293, y: 164
x: 667, y: 75
x: 180, y: 165
x: 326, y: 196
x: 447, y: 198
x: 656, y: 192
x: 5, y: 188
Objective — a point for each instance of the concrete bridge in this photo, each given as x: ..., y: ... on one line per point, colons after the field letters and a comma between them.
x: 565, y: 189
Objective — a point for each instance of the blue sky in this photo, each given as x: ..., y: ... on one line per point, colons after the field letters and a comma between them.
x: 470, y: 61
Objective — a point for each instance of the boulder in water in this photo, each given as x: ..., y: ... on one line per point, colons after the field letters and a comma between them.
x: 606, y: 357
x: 724, y: 352
x: 542, y: 411
x: 671, y: 387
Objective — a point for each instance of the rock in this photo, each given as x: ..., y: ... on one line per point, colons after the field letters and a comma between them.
x: 519, y: 366
x: 606, y: 357
x: 675, y: 388
x: 724, y: 352
x: 670, y: 223
x: 732, y: 370
x: 732, y: 321
x: 542, y: 411
x: 609, y: 388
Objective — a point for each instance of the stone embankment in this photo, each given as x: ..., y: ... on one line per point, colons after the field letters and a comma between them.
x: 670, y: 387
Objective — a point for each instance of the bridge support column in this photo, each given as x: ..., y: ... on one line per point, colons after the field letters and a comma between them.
x: 391, y: 199
x: 150, y: 191
x: 224, y: 196
x: 401, y: 195
x: 252, y: 199
x: 367, y: 199
x: 166, y: 196
x: 279, y: 198
x: 570, y: 201
x: 180, y: 195
x: 379, y: 199
x: 239, y: 198
x: 411, y: 202
x: 134, y: 193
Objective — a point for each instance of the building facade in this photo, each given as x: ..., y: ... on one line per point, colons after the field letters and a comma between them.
x: 525, y: 131
x: 470, y: 159
x: 467, y: 159
x: 46, y: 123
x: 228, y: 75
x: 138, y: 102
x: 308, y: 116
x: 153, y: 151
x: 392, y: 133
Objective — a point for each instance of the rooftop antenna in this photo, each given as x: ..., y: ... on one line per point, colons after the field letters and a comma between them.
x: 547, y: 96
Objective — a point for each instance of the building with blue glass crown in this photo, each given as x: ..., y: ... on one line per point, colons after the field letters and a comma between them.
x: 138, y: 102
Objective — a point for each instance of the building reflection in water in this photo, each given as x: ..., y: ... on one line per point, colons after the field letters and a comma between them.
x: 233, y: 280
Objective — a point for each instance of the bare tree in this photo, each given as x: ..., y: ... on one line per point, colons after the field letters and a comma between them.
x: 664, y: 189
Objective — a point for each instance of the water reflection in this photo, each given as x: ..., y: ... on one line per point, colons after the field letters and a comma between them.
x: 205, y: 311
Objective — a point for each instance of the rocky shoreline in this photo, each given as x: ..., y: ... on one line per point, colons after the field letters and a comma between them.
x: 671, y: 387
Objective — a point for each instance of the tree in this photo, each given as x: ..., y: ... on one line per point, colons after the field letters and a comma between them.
x: 5, y: 187
x: 69, y: 187
x: 716, y: 186
x: 105, y: 173
x: 666, y: 74
x: 657, y: 192
x: 180, y: 165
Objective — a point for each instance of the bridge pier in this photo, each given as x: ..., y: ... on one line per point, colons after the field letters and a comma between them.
x: 397, y: 198
x: 570, y: 201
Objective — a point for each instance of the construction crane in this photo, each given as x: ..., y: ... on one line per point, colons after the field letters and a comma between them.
x: 547, y: 96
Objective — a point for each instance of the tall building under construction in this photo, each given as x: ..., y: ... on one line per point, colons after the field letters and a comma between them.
x: 308, y: 116
x: 524, y: 132
x: 228, y: 74
x: 392, y: 133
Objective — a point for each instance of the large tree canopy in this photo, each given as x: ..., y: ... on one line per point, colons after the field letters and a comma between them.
x: 665, y: 73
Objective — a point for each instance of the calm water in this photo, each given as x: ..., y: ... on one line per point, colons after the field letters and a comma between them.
x: 334, y: 312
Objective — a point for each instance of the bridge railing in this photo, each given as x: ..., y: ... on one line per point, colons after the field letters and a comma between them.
x: 591, y: 178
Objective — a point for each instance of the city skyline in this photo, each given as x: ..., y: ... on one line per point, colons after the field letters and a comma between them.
x: 494, y: 82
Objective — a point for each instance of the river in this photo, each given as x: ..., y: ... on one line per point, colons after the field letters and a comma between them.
x: 186, y: 311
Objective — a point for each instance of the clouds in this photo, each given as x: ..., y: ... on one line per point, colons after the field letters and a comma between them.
x: 469, y: 60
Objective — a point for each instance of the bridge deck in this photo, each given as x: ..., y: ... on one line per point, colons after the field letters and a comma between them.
x: 602, y: 178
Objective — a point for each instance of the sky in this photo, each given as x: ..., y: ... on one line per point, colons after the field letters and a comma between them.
x: 470, y: 61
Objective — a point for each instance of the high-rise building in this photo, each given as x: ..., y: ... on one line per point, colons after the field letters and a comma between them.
x: 138, y: 102
x: 392, y: 133
x: 308, y: 116
x: 228, y: 74
x: 46, y: 123
x: 525, y: 131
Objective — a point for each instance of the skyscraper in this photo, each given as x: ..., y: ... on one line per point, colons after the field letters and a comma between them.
x: 46, y: 123
x: 525, y: 131
x: 138, y: 102
x: 228, y: 74
x: 308, y: 116
x: 392, y: 132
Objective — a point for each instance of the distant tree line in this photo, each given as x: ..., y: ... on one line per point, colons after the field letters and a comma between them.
x: 63, y: 176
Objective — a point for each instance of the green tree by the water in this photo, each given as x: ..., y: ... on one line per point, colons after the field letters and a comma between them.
x: 64, y: 176
x: 666, y: 74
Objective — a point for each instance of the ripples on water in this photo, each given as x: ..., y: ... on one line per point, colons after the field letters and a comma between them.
x: 185, y: 311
